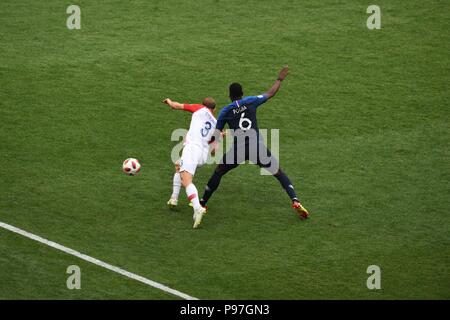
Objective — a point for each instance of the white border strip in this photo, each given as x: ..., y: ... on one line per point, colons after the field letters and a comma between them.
x: 97, y: 262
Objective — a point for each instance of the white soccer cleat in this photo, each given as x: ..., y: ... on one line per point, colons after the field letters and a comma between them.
x: 198, y: 216
x: 172, y: 203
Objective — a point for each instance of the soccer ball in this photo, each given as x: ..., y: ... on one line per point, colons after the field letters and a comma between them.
x: 131, y: 166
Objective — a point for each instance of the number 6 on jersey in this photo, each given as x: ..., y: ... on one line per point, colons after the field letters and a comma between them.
x: 243, y: 120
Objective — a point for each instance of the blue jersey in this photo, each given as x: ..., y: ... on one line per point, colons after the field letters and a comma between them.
x: 241, y: 114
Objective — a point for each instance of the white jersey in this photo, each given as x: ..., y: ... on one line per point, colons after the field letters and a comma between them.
x: 202, y: 125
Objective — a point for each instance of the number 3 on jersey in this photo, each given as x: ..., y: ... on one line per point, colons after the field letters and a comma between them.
x: 243, y: 120
x: 204, y: 131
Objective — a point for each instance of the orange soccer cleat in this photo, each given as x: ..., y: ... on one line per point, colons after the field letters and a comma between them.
x: 302, y: 212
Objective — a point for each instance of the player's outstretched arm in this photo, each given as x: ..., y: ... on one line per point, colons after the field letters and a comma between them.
x: 276, y: 86
x: 173, y: 104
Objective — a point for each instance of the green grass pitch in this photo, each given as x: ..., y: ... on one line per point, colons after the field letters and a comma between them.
x: 364, y: 134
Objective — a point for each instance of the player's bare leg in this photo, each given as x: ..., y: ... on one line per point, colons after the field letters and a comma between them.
x: 173, y: 201
x: 192, y: 193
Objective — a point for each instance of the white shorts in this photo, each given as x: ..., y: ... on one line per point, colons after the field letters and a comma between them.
x: 193, y: 156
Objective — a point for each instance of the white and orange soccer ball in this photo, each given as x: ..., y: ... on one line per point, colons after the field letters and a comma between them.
x: 131, y: 166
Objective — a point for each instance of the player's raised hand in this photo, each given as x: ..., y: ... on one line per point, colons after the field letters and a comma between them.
x: 173, y: 104
x: 283, y: 73
x: 276, y: 86
x: 167, y: 101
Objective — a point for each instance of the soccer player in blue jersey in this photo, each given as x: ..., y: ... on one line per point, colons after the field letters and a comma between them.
x: 240, y: 115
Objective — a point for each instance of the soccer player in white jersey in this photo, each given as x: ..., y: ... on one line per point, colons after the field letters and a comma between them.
x: 195, y: 151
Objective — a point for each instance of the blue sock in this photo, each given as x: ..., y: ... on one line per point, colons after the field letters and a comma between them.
x: 286, y: 184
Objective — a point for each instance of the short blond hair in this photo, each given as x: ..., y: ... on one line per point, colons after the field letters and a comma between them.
x: 209, y: 102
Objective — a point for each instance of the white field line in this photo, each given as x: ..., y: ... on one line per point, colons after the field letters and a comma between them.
x: 97, y: 262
